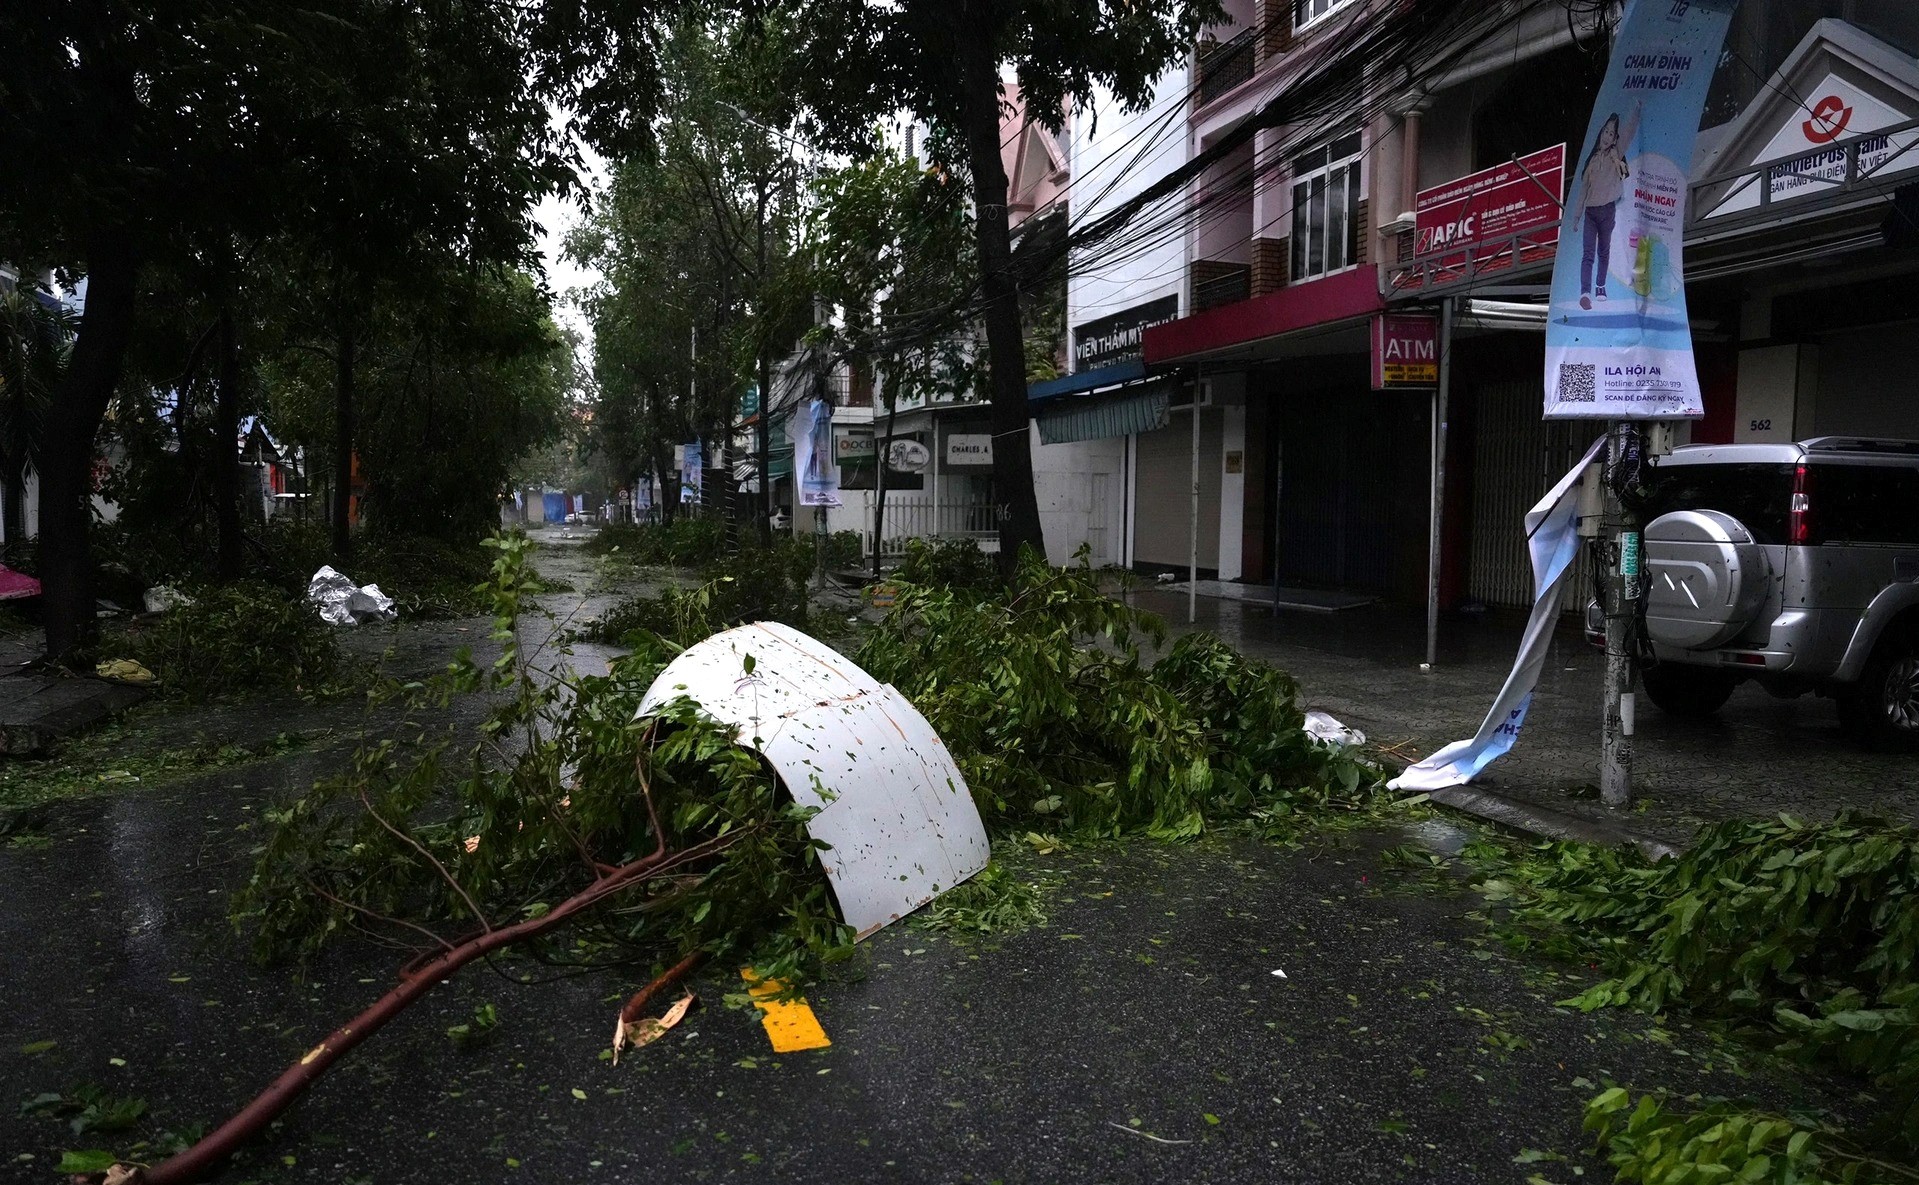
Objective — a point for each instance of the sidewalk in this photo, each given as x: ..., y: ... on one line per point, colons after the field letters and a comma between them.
x: 1758, y: 756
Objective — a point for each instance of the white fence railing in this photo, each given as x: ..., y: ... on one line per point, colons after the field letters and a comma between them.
x: 973, y: 518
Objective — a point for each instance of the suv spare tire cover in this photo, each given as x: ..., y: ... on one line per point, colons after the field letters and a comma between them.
x: 1705, y: 578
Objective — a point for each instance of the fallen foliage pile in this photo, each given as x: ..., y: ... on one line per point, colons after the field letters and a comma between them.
x: 754, y: 584
x: 1805, y: 937
x: 1041, y: 693
x: 226, y: 639
x: 683, y: 543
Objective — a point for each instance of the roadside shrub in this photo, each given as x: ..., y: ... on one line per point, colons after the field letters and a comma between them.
x: 757, y: 584
x: 950, y: 563
x: 237, y: 637
x: 844, y: 551
x: 1041, y: 694
x: 682, y: 543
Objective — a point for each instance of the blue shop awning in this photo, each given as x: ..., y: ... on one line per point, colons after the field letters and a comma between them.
x: 1086, y: 380
x: 1131, y: 410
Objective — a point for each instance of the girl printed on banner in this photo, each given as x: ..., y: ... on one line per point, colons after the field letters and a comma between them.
x: 1602, y: 181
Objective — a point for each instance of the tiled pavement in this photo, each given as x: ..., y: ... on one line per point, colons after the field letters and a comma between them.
x: 1758, y: 756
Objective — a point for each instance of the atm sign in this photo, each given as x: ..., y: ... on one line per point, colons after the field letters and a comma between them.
x: 1405, y: 350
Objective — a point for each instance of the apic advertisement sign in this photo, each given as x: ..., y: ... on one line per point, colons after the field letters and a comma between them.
x: 1458, y: 227
x: 811, y: 430
x: 1120, y: 337
x: 1405, y: 351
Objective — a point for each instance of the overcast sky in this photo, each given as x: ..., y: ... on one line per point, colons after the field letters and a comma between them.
x: 556, y: 217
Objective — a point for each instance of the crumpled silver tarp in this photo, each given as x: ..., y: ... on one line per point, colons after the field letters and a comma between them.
x: 341, y: 602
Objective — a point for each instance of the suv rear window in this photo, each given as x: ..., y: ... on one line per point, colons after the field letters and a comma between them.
x: 1759, y: 496
x: 1865, y: 504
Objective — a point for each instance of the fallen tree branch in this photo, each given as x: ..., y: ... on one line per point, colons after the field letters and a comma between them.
x: 416, y: 980
x: 631, y: 1010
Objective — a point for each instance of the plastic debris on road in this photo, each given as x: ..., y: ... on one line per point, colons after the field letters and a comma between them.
x: 162, y: 597
x: 341, y: 602
x: 1328, y: 731
x: 893, y: 805
x: 124, y: 670
x: 16, y: 586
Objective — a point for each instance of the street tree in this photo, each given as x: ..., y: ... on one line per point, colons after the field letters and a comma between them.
x: 890, y: 246
x: 165, y: 130
x: 858, y: 62
x: 696, y: 240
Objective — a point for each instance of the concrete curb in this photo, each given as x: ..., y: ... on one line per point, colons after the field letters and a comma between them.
x: 1549, y: 823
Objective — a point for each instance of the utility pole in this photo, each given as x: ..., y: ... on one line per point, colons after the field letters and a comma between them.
x: 1623, y: 459
x: 1441, y: 401
x: 1192, y: 538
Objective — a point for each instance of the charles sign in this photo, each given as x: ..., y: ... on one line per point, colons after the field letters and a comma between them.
x: 969, y: 448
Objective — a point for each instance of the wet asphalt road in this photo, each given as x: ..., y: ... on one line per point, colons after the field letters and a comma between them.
x: 1140, y: 1035
x: 1400, y: 1046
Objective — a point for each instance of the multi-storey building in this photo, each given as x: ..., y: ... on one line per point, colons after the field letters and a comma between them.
x: 1801, y: 269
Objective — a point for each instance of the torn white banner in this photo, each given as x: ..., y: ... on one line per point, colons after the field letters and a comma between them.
x: 1553, y: 539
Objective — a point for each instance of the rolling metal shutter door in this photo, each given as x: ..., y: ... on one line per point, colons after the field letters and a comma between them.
x: 1516, y: 458
x: 1340, y: 467
x: 1163, y: 492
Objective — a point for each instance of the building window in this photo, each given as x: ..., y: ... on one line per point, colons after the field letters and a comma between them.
x: 1326, y: 209
x: 1305, y: 12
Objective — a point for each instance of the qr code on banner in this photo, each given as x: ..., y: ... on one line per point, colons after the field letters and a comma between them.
x: 1577, y: 382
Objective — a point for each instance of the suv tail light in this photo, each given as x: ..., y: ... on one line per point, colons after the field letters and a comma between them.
x: 1799, y: 521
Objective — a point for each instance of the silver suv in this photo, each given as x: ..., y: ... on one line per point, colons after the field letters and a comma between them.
x: 1792, y: 565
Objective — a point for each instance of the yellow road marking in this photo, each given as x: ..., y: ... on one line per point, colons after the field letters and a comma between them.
x: 790, y: 1024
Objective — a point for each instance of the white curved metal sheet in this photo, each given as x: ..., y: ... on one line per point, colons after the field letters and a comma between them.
x: 899, y: 818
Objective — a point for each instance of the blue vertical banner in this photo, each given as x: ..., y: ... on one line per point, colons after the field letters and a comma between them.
x: 692, y: 473
x: 1618, y: 344
x: 811, y: 430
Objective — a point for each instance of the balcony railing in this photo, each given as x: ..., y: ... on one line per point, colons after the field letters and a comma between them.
x: 1225, y: 66
x: 1221, y: 284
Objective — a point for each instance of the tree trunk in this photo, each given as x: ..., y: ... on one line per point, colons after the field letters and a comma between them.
x: 343, y: 444
x: 762, y: 444
x: 669, y: 487
x: 15, y: 523
x: 226, y: 460
x: 1006, y: 353
x: 880, y: 448
x: 66, y: 450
